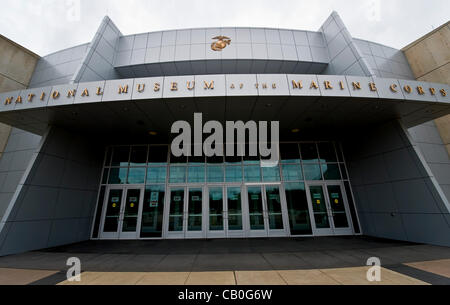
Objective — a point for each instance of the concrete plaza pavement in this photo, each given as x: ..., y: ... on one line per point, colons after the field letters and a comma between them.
x: 280, y: 261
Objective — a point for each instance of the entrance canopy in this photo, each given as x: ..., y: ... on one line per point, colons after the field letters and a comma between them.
x: 299, y: 102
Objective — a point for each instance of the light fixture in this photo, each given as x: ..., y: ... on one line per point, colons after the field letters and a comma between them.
x: 152, y: 133
x: 295, y: 130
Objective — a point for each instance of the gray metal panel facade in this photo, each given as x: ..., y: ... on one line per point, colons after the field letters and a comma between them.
x: 13, y: 163
x: 397, y: 194
x: 54, y: 201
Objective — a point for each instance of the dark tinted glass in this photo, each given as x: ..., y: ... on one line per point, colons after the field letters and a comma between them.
x: 289, y: 153
x: 157, y: 155
x: 309, y: 153
x: 138, y: 156
x: 327, y: 152
x: 120, y: 156
x: 298, y: 211
x: 331, y: 172
x: 152, y: 211
x: 351, y: 205
x: 108, y: 156
x: 98, y: 213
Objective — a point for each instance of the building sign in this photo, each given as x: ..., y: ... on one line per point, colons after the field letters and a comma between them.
x: 154, y: 199
x: 223, y: 85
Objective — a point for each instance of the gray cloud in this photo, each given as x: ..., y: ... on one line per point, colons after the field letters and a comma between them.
x: 47, y: 26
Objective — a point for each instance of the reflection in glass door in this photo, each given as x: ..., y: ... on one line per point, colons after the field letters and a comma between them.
x: 339, y: 210
x: 112, y: 214
x: 130, y: 214
x: 195, y: 213
x: 185, y: 213
x: 329, y: 209
x: 176, y: 213
x: 266, y: 217
x: 152, y: 212
x: 320, y: 209
x: 255, y: 211
x: 234, y: 224
x: 216, y: 212
x: 274, y: 208
x: 121, y: 213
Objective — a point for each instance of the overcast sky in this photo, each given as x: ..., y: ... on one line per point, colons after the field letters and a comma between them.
x: 46, y: 26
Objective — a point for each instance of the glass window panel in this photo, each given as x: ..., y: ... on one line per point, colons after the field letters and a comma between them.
x: 292, y: 172
x: 176, y: 210
x: 131, y: 211
x: 196, y: 174
x: 153, y: 211
x: 136, y: 175
x: 319, y: 207
x: 289, y: 153
x: 177, y: 174
x: 195, y: 209
x: 309, y: 153
x: 312, y: 172
x: 118, y: 176
x: 105, y: 176
x: 255, y: 207
x: 234, y: 208
x: 298, y: 211
x: 98, y: 213
x: 108, y: 156
x: 337, y: 205
x: 156, y: 174
x: 138, y: 156
x: 215, y: 173
x: 274, y: 208
x: 233, y: 173
x: 216, y: 209
x: 339, y: 152
x: 157, y: 155
x: 343, y: 171
x: 111, y: 223
x: 331, y: 172
x: 271, y: 174
x: 252, y: 173
x: 351, y: 205
x: 327, y: 152
x: 121, y: 156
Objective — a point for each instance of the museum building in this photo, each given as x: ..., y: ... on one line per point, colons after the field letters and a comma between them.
x: 86, y: 137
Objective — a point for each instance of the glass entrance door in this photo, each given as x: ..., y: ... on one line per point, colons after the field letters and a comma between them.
x: 216, y: 212
x: 329, y: 209
x: 121, y: 213
x: 266, y: 213
x: 186, y: 213
x: 194, y: 215
x: 234, y: 224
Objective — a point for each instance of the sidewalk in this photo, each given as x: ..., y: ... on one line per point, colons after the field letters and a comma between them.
x: 318, y: 261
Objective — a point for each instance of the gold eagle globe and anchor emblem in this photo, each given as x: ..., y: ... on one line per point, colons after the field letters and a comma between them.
x: 221, y: 43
